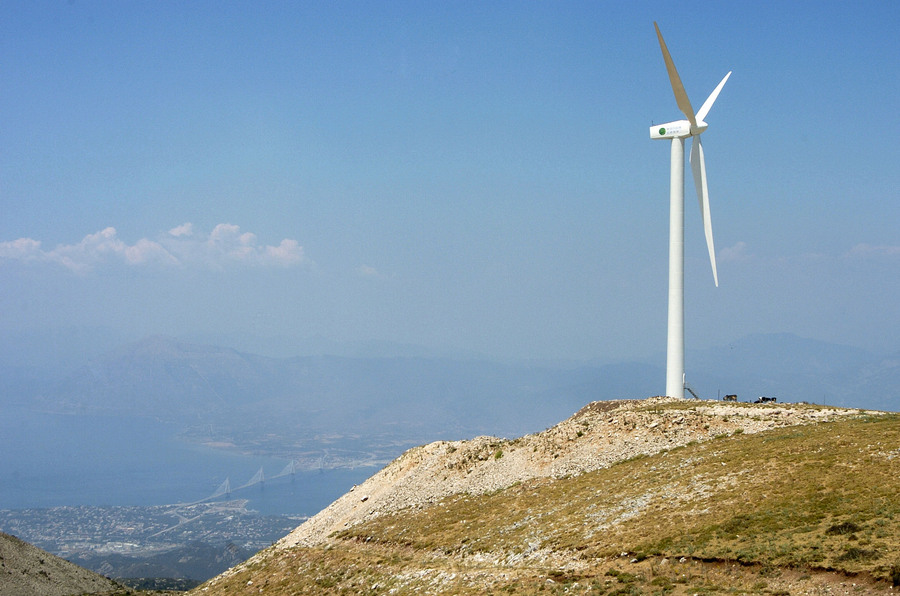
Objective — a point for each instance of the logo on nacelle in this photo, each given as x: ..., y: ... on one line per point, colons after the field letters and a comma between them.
x: 672, y: 130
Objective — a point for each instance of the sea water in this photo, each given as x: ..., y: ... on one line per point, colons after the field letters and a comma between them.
x: 50, y: 460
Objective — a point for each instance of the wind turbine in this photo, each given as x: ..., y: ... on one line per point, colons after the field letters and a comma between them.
x: 678, y: 131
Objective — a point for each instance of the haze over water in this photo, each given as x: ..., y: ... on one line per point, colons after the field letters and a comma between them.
x: 55, y: 460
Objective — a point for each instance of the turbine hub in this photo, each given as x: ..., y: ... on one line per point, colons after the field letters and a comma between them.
x: 701, y: 126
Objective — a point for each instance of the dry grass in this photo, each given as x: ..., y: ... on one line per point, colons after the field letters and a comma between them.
x: 765, y: 513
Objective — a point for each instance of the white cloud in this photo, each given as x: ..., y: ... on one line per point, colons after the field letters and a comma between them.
x: 738, y: 252
x: 147, y: 251
x: 186, y: 229
x: 23, y: 249
x: 287, y: 253
x: 367, y: 271
x: 871, y: 251
x: 106, y: 245
x: 225, y: 246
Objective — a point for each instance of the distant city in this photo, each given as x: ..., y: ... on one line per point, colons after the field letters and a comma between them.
x: 112, y: 540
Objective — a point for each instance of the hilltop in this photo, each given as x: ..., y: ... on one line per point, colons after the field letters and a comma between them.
x: 26, y: 570
x: 655, y: 496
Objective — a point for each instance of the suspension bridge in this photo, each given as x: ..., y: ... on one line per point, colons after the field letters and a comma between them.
x: 259, y: 477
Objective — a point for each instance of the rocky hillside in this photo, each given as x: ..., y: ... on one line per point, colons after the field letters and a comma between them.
x: 659, y: 495
x: 26, y: 570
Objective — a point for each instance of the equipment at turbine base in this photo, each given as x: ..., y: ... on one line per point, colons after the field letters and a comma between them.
x: 691, y: 389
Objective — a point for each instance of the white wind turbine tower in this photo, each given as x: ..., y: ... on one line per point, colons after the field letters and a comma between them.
x: 678, y: 131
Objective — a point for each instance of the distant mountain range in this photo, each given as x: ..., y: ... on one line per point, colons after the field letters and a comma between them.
x: 238, y: 397
x: 411, y: 398
x: 797, y: 369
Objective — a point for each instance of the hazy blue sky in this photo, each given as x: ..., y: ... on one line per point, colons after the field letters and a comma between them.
x: 465, y: 175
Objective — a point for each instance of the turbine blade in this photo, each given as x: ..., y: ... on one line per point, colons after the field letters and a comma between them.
x: 684, y: 104
x: 704, y: 109
x: 698, y: 168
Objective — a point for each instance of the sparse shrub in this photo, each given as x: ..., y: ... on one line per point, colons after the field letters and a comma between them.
x: 498, y: 454
x: 854, y: 553
x: 626, y: 590
x: 325, y: 582
x: 623, y: 576
x: 842, y: 528
x: 895, y: 575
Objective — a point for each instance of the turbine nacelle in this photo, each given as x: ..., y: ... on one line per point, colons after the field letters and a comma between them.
x: 679, y: 129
